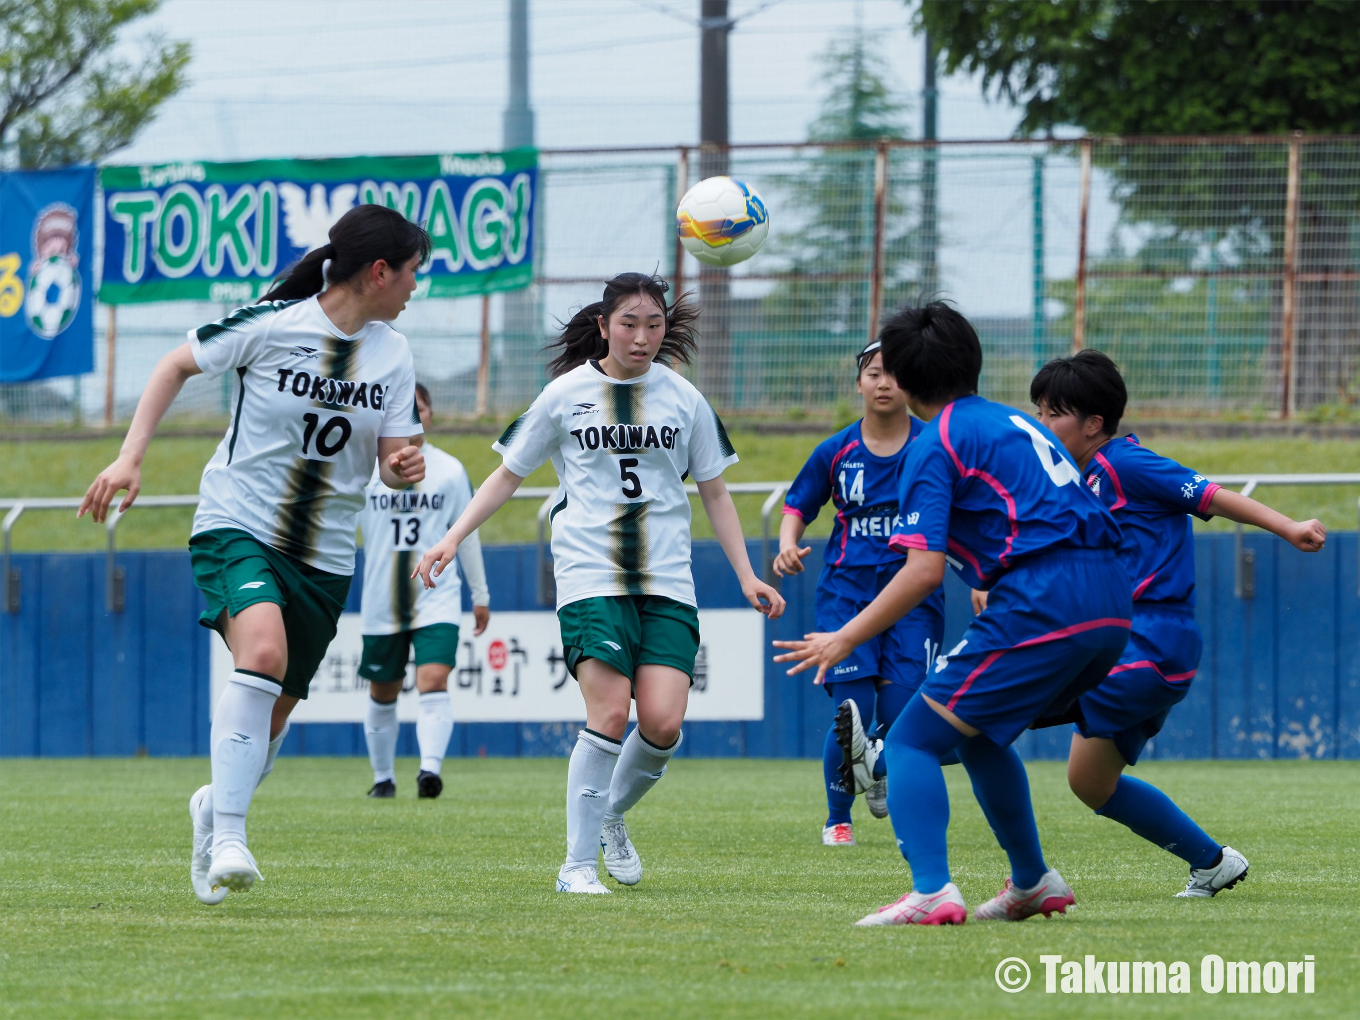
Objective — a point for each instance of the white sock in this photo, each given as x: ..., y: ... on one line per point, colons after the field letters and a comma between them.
x: 588, y: 774
x: 434, y: 726
x: 640, y: 766
x: 380, y: 731
x: 240, y: 745
x: 204, y: 816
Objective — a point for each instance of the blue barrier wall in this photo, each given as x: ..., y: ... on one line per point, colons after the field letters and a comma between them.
x: 1280, y: 675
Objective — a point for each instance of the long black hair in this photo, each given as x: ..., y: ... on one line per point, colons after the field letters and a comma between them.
x: 1085, y: 384
x: 580, y: 340
x: 359, y: 238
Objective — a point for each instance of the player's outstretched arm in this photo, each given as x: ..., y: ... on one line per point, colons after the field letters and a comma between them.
x: 167, y: 379
x: 790, y: 558
x: 400, y: 464
x: 495, y: 492
x: 722, y: 514
x: 1308, y: 536
x: 920, y: 575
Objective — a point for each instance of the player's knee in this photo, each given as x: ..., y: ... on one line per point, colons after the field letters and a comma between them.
x: 1092, y: 790
x: 385, y: 694
x: 662, y: 732
x: 268, y: 658
x: 613, y: 720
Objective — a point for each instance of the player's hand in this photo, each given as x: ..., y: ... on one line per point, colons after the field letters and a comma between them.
x: 481, y: 616
x: 763, y: 598
x: 408, y: 464
x: 820, y: 650
x: 121, y: 474
x: 436, y: 561
x: 979, y: 600
x: 790, y: 560
x: 1309, y: 536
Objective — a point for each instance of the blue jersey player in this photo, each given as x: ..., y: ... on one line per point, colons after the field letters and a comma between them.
x: 857, y: 471
x: 1081, y: 399
x: 991, y: 492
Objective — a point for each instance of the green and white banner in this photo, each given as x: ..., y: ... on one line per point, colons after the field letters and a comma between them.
x: 223, y: 231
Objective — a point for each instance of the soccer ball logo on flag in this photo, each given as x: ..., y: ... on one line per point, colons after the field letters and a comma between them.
x: 53, y: 280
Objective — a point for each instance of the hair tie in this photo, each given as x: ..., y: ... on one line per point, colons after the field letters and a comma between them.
x: 327, y: 250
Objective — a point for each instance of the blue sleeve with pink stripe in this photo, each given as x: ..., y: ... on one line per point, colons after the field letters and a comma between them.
x: 989, y: 486
x: 1151, y: 497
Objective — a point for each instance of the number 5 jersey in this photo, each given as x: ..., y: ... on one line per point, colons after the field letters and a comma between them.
x: 623, y: 450
x: 398, y: 526
x: 308, y: 405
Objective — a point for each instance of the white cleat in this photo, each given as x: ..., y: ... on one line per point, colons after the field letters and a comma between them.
x: 943, y: 907
x: 877, y: 798
x: 840, y: 834
x: 201, y: 860
x: 1206, y: 882
x: 858, y: 753
x: 1051, y: 896
x: 583, y: 878
x: 233, y: 869
x: 620, y: 856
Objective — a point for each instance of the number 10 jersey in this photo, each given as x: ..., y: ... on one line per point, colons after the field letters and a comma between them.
x: 623, y: 450
x: 308, y: 405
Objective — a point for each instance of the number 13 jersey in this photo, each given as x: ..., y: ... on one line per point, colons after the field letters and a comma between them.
x: 623, y: 450
x: 308, y: 405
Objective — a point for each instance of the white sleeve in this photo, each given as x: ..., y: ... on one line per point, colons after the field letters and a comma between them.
x: 530, y: 439
x: 231, y: 342
x: 470, y: 551
x: 710, y: 451
x: 400, y: 416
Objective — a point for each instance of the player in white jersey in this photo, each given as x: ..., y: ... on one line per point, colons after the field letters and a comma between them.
x: 398, y: 525
x: 624, y: 432
x: 322, y: 389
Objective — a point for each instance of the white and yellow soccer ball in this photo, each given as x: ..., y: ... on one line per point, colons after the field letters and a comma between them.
x: 53, y: 296
x: 722, y: 221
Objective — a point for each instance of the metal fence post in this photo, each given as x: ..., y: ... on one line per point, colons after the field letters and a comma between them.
x: 11, y: 577
x: 1288, y: 369
x: 1037, y: 326
x: 880, y: 203
x: 1244, y: 560
x: 681, y: 186
x: 1079, y: 312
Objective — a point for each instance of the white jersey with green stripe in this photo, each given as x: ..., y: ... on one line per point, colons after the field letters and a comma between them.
x: 308, y: 405
x: 398, y: 526
x: 623, y: 450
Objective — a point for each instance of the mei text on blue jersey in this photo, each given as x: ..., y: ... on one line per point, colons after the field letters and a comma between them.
x: 1090, y: 976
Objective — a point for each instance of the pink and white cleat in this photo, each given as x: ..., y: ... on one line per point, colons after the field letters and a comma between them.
x: 1051, y: 896
x: 840, y: 834
x: 943, y: 907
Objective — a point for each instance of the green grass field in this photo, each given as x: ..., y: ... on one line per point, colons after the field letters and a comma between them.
x: 174, y: 464
x: 418, y: 909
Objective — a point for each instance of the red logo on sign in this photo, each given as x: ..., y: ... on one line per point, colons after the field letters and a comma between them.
x: 496, y: 655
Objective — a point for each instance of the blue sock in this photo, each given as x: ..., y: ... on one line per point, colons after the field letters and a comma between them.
x: 838, y: 799
x: 918, y: 802
x: 1002, y: 789
x: 892, y: 698
x: 1154, y: 816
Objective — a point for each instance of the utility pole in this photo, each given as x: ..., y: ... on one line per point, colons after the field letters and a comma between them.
x: 715, y: 293
x: 521, y: 325
x: 930, y: 231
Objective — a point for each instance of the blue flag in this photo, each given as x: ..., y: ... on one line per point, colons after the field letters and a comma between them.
x: 47, y: 285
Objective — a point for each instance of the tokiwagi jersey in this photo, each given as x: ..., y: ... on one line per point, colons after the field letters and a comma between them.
x: 308, y: 405
x: 1152, y: 497
x: 399, y: 525
x: 623, y: 450
x: 988, y: 486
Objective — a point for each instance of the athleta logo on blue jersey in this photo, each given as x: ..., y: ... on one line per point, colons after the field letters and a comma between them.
x: 332, y: 391
x: 626, y: 437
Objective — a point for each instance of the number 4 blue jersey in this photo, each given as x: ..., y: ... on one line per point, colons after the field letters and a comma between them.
x: 989, y: 486
x: 1152, y: 497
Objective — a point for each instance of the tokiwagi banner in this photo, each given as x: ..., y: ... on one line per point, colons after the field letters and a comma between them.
x: 223, y: 231
x: 46, y: 273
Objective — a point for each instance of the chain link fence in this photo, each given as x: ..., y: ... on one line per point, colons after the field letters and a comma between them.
x: 1221, y: 274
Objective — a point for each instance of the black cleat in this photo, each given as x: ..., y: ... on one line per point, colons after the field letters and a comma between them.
x: 386, y: 788
x: 429, y: 785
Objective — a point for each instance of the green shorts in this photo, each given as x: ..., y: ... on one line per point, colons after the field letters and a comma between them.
x: 386, y: 655
x: 234, y: 569
x: 628, y: 631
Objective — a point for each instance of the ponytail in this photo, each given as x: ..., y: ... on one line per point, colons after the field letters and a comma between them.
x: 364, y: 235
x: 580, y: 340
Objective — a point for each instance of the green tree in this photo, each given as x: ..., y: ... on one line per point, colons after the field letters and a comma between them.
x: 66, y: 96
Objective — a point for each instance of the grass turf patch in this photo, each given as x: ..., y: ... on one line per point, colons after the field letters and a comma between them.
x: 445, y: 908
x: 175, y: 464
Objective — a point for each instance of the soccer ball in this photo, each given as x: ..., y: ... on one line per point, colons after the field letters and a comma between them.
x: 53, y: 296
x: 722, y: 221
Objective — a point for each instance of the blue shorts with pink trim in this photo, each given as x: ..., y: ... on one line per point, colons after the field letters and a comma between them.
x: 1153, y: 675
x: 1054, y: 627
